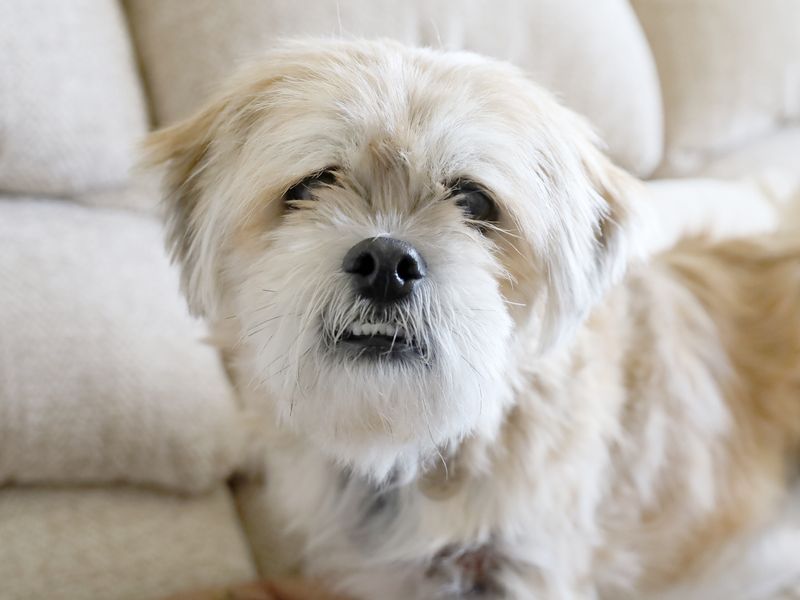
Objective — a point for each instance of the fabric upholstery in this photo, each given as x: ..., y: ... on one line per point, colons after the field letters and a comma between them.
x: 595, y: 57
x: 710, y: 207
x: 116, y: 543
x: 729, y: 69
x: 779, y: 151
x: 103, y: 375
x: 71, y: 105
x: 275, y: 551
x: 142, y: 194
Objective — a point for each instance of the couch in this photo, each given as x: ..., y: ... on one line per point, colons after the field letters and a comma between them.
x: 124, y: 471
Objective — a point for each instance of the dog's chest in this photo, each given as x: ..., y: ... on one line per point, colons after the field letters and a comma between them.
x: 450, y: 559
x: 446, y: 534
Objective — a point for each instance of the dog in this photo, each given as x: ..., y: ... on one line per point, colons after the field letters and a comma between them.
x: 428, y: 280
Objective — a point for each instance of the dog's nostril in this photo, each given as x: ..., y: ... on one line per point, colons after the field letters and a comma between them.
x: 409, y: 268
x: 364, y: 265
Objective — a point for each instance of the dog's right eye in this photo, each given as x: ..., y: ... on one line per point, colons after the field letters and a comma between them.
x: 306, y: 189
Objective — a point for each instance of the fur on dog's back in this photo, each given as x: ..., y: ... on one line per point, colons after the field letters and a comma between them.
x: 751, y: 290
x: 714, y: 351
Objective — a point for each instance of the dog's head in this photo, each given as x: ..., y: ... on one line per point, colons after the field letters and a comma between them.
x: 392, y: 228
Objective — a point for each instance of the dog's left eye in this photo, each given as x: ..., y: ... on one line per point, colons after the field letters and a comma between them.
x: 474, y: 201
x: 304, y: 190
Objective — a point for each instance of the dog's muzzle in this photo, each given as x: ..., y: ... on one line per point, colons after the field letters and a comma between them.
x: 385, y: 272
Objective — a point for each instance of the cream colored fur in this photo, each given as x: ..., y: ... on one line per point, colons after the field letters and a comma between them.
x: 572, y: 431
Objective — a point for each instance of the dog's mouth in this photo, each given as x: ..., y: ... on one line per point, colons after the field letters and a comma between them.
x: 378, y: 339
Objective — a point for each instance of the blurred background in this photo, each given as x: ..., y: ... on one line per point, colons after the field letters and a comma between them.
x: 121, y: 455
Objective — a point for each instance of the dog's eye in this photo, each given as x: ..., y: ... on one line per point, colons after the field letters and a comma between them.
x: 475, y: 202
x: 305, y: 189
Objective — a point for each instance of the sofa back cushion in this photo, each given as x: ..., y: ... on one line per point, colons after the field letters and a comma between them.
x: 103, y: 375
x: 730, y: 72
x: 71, y: 104
x: 594, y: 56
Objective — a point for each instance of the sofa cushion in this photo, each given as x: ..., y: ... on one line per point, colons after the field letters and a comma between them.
x: 103, y: 375
x: 596, y: 58
x: 276, y: 551
x: 117, y: 543
x: 72, y: 105
x: 730, y: 71
x: 709, y: 207
x: 778, y: 152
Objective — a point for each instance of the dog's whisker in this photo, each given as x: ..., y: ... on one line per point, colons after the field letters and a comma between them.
x: 504, y: 232
x: 506, y: 301
x: 268, y: 320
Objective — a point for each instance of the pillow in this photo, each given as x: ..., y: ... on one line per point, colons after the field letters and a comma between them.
x: 777, y: 152
x: 117, y: 543
x: 596, y: 58
x: 103, y: 375
x: 730, y: 72
x: 71, y: 105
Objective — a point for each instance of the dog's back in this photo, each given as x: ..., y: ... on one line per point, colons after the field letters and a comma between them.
x: 750, y: 288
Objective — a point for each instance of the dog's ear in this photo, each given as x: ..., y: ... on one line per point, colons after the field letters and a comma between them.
x: 183, y: 151
x: 595, y: 235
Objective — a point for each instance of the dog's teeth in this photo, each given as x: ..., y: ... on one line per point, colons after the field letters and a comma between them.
x: 368, y: 329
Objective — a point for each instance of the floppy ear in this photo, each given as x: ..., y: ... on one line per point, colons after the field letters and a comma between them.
x: 184, y: 152
x: 595, y: 235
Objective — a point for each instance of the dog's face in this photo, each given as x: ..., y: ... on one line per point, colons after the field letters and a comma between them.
x: 392, y: 228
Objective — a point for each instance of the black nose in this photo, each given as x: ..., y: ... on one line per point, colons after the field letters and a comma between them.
x: 384, y: 269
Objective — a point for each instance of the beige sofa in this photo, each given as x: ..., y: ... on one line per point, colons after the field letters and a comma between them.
x: 119, y: 433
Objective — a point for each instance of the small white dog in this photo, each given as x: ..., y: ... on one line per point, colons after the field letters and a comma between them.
x: 419, y: 263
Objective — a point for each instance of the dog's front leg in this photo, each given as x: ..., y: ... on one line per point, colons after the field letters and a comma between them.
x: 485, y: 572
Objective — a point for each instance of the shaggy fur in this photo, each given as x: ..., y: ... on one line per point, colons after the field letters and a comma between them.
x: 577, y: 425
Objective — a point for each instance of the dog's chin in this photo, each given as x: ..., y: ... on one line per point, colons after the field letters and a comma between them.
x: 378, y: 402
